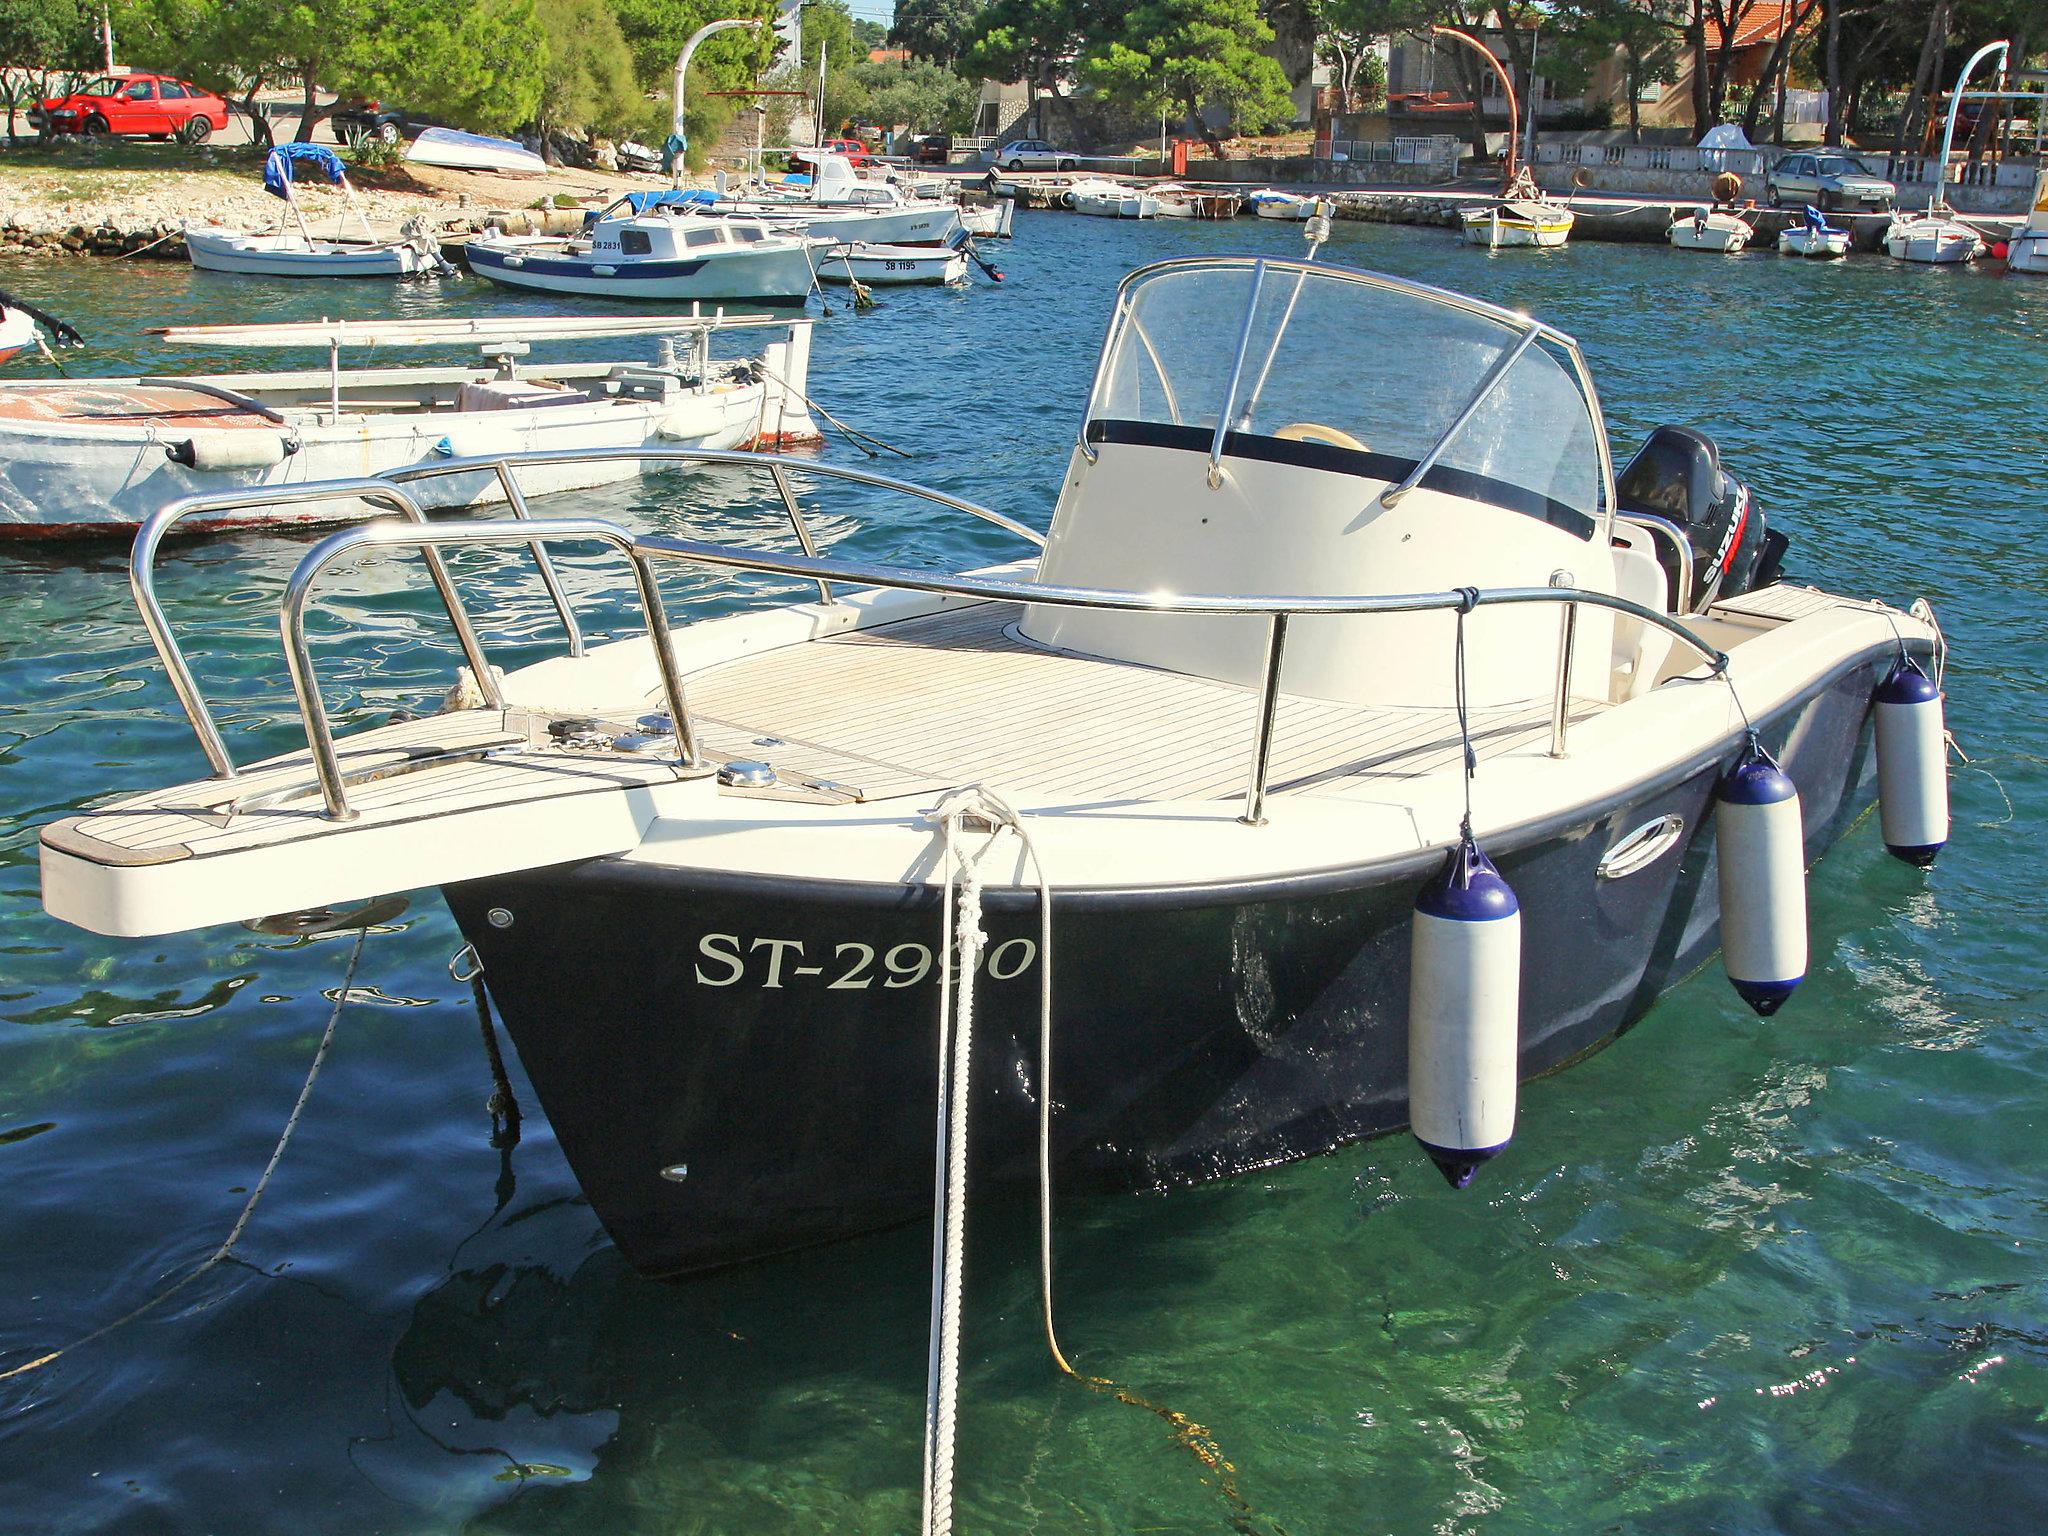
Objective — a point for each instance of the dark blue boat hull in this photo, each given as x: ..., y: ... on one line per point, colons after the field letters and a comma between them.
x: 737, y: 1066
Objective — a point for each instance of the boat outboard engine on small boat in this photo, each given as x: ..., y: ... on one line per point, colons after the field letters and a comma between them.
x: 1676, y: 477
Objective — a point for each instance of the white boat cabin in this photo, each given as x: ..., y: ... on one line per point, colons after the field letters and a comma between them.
x: 1278, y: 428
x: 638, y: 228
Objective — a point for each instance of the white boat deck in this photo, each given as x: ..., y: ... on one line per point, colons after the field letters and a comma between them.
x: 926, y: 703
x: 902, y: 710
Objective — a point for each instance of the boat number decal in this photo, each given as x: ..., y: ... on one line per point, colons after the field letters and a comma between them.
x: 727, y: 960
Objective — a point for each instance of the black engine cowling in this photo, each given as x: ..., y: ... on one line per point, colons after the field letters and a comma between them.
x: 1677, y: 476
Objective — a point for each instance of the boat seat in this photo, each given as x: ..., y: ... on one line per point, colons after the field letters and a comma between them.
x: 1639, y: 649
x: 517, y: 395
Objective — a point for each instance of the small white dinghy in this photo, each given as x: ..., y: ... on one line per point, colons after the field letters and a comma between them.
x: 298, y: 253
x: 1711, y: 229
x: 989, y: 220
x: 1815, y: 239
x: 892, y: 266
x: 18, y: 321
x: 1521, y: 218
x: 1268, y: 203
x: 452, y: 149
x: 82, y: 457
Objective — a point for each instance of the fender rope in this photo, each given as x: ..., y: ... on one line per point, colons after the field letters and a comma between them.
x: 227, y: 1246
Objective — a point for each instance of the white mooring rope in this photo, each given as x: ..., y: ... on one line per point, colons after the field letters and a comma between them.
x: 961, y: 874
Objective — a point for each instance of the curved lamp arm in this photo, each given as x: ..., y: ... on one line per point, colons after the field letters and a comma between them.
x: 1506, y: 84
x: 678, y: 135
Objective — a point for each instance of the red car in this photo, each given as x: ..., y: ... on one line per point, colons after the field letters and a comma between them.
x: 155, y: 106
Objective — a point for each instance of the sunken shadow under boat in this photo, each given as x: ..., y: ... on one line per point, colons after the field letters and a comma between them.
x: 704, y: 883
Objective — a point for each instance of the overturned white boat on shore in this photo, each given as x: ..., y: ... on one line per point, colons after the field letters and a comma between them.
x: 1173, y: 827
x: 82, y: 457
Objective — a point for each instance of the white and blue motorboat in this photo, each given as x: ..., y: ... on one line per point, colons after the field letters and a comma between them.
x: 1165, y: 839
x: 644, y: 247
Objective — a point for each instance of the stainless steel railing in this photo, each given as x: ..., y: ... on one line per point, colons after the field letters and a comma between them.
x: 644, y: 549
x: 389, y: 492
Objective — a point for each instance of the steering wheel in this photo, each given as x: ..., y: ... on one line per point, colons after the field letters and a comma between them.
x: 1316, y: 432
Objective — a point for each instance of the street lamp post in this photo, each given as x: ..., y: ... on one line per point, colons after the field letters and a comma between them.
x: 678, y: 135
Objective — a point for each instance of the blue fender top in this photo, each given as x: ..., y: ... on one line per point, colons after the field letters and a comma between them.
x: 1756, y: 780
x: 1907, y: 684
x: 1467, y: 889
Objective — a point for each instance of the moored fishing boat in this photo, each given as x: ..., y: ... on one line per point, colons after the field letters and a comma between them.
x: 1104, y: 199
x: 297, y: 253
x: 673, y: 860
x: 82, y: 457
x: 1521, y: 217
x: 836, y: 203
x: 1183, y: 202
x: 1935, y: 236
x: 659, y: 255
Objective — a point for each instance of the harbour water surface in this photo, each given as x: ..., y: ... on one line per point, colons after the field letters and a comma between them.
x: 1736, y: 1275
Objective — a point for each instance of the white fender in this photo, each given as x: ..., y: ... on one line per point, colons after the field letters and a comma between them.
x: 1912, y: 764
x: 231, y: 449
x: 1762, y: 881
x: 1464, y: 1010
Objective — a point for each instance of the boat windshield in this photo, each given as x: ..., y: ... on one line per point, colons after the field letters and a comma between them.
x: 1354, y: 373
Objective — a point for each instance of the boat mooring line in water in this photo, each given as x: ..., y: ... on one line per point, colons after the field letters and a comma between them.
x: 852, y: 434
x: 466, y: 966
x: 977, y: 803
x: 284, y: 1140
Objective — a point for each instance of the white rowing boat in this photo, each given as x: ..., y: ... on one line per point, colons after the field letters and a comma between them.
x: 95, y: 456
x: 286, y: 252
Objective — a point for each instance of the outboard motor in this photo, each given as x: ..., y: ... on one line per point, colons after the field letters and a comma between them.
x: 1676, y: 476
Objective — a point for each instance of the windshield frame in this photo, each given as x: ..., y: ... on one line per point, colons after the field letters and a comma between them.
x: 1529, y: 331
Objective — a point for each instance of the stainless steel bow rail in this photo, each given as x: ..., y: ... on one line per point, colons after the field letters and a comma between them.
x: 388, y: 493
x: 643, y: 551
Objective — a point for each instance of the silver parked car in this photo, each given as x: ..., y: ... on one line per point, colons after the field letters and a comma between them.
x: 1033, y: 155
x: 1830, y: 179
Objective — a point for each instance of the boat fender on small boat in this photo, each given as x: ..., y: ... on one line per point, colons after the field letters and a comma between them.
x: 479, y: 443
x: 1464, y: 1012
x: 231, y: 450
x: 1762, y: 877
x: 1912, y: 764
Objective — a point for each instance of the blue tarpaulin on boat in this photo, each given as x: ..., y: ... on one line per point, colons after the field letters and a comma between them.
x: 696, y: 197
x: 277, y: 165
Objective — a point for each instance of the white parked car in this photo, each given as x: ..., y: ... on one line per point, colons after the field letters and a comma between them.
x: 1034, y: 155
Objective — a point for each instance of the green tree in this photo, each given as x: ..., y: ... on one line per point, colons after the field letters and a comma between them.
x: 1643, y: 37
x: 655, y: 31
x: 830, y: 23
x: 918, y: 95
x: 36, y: 38
x: 938, y: 30
x: 1033, y: 41
x: 474, y: 62
x: 587, y: 79
x: 1188, y: 54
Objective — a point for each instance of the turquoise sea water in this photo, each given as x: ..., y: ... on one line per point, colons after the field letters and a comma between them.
x: 1735, y: 1275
